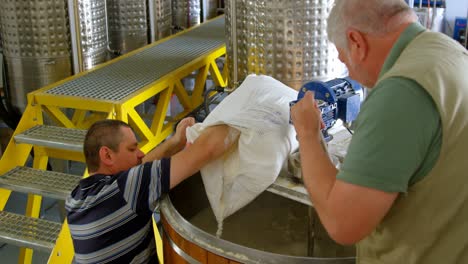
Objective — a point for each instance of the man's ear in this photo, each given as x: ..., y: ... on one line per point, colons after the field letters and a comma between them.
x: 357, y: 44
x: 106, y: 156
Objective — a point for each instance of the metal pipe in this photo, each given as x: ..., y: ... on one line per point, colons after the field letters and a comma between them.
x: 75, y: 32
x: 411, y: 3
x: 152, y: 20
x: 106, y: 18
x: 235, y: 77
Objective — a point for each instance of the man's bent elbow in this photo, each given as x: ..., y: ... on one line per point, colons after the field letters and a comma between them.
x: 220, y: 141
x: 344, y: 235
x: 214, y: 150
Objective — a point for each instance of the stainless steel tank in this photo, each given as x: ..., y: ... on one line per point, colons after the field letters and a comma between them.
x: 128, y: 24
x: 36, y: 45
x: 270, y: 230
x: 160, y: 12
x: 209, y: 9
x: 185, y: 13
x: 283, y: 39
x: 93, y: 29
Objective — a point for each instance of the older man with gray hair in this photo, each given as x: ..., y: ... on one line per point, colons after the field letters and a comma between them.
x: 402, y: 192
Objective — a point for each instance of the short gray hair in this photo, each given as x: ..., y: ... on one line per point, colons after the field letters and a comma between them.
x: 376, y: 17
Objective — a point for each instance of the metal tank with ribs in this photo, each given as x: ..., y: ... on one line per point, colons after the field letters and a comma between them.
x: 280, y: 38
x: 36, y: 45
x: 89, y: 33
x: 160, y: 17
x: 128, y: 24
x: 185, y: 13
x: 38, y: 36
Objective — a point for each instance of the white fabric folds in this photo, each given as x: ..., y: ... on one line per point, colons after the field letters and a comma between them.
x: 258, y: 110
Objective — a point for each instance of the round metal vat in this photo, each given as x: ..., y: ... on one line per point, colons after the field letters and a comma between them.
x: 93, y: 32
x: 36, y: 45
x: 128, y: 24
x: 185, y: 13
x: 270, y: 230
x: 280, y: 38
x: 160, y: 19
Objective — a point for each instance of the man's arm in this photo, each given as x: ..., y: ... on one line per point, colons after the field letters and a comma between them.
x: 210, y: 145
x: 173, y: 144
x: 348, y: 212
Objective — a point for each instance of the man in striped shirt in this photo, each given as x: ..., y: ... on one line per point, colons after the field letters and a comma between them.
x: 110, y: 212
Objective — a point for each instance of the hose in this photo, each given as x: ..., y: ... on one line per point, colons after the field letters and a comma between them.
x: 206, y: 101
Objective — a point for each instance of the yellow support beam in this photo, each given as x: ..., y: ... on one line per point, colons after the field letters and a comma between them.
x: 182, y: 95
x: 218, y: 78
x: 63, y: 251
x: 74, y: 102
x: 58, y: 116
x: 159, y: 243
x: 147, y: 92
x: 161, y: 110
x: 200, y: 80
x: 17, y: 154
x: 92, y: 118
x: 64, y: 154
x: 33, y: 206
x: 79, y: 116
x: 142, y: 129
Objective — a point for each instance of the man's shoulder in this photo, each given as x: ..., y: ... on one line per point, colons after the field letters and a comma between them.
x: 397, y: 86
x: 398, y: 93
x: 92, y: 187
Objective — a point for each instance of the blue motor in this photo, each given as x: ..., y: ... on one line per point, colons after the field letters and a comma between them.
x: 338, y: 99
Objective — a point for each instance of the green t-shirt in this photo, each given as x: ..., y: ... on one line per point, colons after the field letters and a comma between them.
x: 398, y: 133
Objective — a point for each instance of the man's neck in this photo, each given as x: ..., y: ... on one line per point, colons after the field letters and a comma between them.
x: 381, y: 47
x: 103, y: 171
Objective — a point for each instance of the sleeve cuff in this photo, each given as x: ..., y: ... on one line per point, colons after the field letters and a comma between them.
x: 165, y: 174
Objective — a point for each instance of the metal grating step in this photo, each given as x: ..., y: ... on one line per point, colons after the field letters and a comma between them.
x: 53, y: 137
x: 28, y: 232
x: 46, y: 183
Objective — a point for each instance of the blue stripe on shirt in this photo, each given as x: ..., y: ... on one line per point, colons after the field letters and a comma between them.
x: 110, y: 216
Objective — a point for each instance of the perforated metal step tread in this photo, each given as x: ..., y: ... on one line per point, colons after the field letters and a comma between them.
x: 53, y: 137
x: 28, y: 232
x: 46, y: 183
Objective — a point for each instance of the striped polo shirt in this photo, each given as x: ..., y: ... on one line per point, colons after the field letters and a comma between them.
x: 110, y: 215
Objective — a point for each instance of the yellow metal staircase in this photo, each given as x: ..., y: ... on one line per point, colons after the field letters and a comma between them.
x: 115, y: 90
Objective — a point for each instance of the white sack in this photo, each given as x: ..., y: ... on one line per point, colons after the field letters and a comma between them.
x: 259, y: 109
